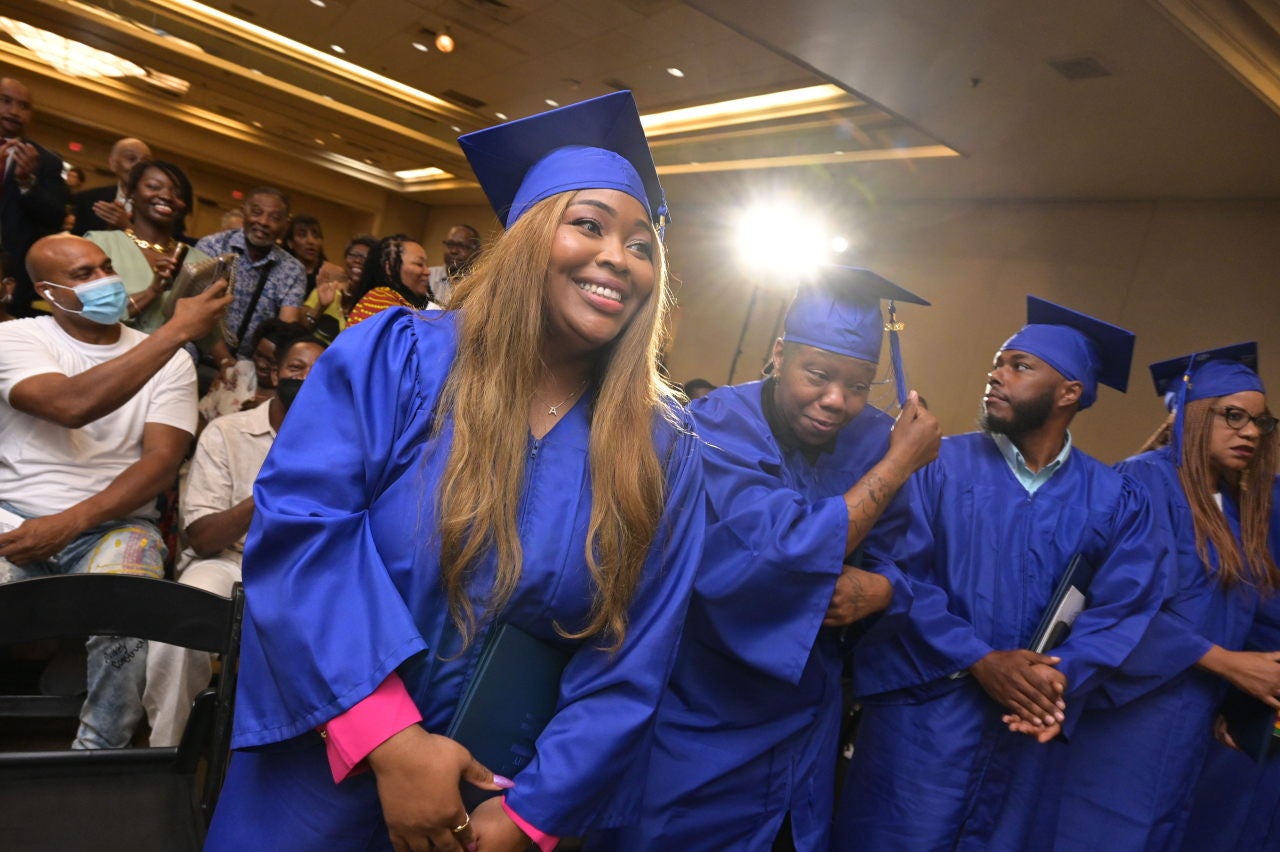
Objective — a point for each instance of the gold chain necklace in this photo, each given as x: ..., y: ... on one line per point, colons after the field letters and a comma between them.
x: 554, y: 410
x: 161, y: 248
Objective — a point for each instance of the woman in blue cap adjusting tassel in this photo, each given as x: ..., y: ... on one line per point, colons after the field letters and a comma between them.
x: 513, y: 462
x: 1134, y: 759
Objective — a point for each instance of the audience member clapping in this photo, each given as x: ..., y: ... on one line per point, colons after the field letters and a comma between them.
x: 395, y: 275
x: 305, y: 241
x: 146, y: 254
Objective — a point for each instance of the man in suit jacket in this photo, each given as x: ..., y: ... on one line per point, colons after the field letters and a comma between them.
x: 33, y: 196
x: 106, y: 208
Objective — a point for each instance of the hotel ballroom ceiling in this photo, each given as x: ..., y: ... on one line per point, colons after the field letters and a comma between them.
x: 903, y: 99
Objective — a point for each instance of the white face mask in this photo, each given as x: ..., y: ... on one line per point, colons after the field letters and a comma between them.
x: 103, y: 300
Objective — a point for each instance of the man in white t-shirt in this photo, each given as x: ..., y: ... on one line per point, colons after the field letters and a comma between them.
x: 94, y: 420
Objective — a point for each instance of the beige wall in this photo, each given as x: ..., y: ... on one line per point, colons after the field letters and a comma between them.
x: 1182, y: 275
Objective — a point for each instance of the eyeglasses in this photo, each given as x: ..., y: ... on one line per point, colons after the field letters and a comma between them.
x: 1237, y: 417
x: 453, y: 244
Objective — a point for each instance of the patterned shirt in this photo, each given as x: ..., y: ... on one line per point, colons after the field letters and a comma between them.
x: 376, y: 301
x: 285, y: 287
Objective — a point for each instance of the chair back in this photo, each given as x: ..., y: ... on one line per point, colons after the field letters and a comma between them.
x: 68, y: 787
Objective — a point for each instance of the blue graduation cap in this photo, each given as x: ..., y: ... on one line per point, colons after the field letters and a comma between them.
x: 1083, y: 349
x: 1209, y: 373
x: 839, y: 311
x: 595, y: 144
x: 1204, y: 375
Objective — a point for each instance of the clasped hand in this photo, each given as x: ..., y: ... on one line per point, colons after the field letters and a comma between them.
x: 1027, y: 684
x: 25, y: 159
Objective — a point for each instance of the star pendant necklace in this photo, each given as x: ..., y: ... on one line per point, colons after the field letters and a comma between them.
x: 554, y: 410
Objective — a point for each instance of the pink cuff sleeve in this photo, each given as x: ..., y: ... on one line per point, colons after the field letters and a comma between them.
x: 545, y: 842
x: 349, y: 737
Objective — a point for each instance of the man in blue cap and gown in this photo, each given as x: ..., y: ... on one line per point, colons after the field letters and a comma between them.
x: 1000, y: 516
x: 798, y: 468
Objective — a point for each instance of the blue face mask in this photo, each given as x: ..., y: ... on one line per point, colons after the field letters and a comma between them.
x: 102, y: 300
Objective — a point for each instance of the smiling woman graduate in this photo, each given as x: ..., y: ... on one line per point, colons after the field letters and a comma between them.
x: 516, y: 460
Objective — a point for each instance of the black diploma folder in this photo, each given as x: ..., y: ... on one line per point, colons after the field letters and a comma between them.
x: 509, y: 700
x: 1253, y: 725
x: 1068, y: 601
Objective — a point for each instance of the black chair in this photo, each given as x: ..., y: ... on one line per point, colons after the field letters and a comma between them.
x: 138, y: 798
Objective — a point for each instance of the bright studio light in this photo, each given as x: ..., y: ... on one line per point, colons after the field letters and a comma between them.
x: 780, y: 240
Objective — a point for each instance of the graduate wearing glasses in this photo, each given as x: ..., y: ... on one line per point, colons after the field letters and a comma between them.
x: 1135, y: 757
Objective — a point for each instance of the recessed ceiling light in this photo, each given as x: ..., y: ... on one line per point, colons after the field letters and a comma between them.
x: 327, y: 97
x: 319, y: 141
x: 256, y: 71
x: 675, y: 72
x: 501, y: 115
x: 319, y: 3
x: 337, y: 48
x: 335, y: 135
x: 368, y: 161
x: 838, y: 153
x: 257, y: 124
x: 417, y: 45
x: 550, y: 102
x: 455, y: 128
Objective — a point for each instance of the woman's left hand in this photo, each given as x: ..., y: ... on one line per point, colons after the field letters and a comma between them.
x: 494, y: 831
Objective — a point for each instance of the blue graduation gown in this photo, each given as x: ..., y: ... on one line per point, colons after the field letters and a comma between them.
x: 933, y: 766
x: 747, y: 732
x: 1136, y: 753
x: 1236, y: 803
x: 341, y: 570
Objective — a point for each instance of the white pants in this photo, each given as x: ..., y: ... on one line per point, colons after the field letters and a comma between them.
x: 175, y: 675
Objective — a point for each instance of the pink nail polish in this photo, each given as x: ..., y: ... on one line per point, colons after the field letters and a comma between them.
x: 503, y: 782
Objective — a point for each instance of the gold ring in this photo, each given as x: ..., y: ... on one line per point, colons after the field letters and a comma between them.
x: 462, y: 827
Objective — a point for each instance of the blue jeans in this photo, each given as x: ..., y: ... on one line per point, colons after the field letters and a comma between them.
x: 117, y: 665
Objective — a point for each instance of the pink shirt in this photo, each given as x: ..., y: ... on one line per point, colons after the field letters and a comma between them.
x: 349, y: 737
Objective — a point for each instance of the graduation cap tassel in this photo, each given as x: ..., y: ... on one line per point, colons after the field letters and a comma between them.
x: 1180, y: 412
x: 895, y: 353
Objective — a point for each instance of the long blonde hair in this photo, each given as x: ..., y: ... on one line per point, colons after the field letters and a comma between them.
x: 1252, y: 563
x: 502, y: 309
